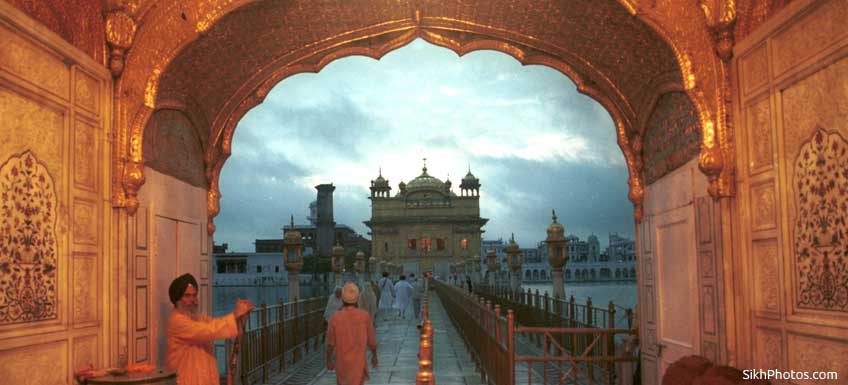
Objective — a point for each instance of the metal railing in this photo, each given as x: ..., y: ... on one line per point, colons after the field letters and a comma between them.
x: 552, y: 348
x: 535, y: 309
x: 425, y: 374
x: 487, y: 334
x: 279, y: 335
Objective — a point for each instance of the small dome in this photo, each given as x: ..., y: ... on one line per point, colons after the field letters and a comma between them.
x: 469, y: 177
x: 512, y: 247
x: 338, y: 250
x: 360, y: 255
x: 380, y: 181
x: 292, y: 236
x: 555, y: 230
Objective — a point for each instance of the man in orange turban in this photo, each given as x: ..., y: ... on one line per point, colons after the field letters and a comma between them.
x: 190, y: 335
x: 348, y: 334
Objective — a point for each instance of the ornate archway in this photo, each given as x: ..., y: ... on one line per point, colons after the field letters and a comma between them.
x: 222, y: 58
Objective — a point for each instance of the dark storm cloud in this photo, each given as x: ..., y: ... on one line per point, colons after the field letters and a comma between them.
x: 257, y: 193
x: 337, y: 124
x: 588, y: 198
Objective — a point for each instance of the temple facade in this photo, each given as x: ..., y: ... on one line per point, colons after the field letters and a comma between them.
x: 425, y: 226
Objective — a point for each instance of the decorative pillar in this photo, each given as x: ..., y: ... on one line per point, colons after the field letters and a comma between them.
x: 513, y: 257
x: 557, y: 254
x: 337, y: 263
x: 293, y: 258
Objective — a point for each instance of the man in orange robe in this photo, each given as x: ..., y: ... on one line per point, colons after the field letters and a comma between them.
x: 190, y: 335
x: 350, y: 331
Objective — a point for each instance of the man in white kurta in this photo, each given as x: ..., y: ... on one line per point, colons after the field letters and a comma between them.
x: 367, y: 299
x: 403, y: 296
x: 387, y: 293
x: 189, y: 335
x: 334, y: 303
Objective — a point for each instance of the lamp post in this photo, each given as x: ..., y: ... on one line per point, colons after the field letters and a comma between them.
x: 513, y: 257
x: 491, y: 260
x: 359, y: 266
x: 477, y: 268
x: 372, y: 268
x: 293, y: 258
x: 337, y: 263
x: 557, y: 254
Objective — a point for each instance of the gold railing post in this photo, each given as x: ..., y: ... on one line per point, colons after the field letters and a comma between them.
x: 611, y: 345
x: 263, y: 344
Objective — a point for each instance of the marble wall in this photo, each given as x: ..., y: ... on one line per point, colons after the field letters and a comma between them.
x: 791, y: 110
x: 56, y: 107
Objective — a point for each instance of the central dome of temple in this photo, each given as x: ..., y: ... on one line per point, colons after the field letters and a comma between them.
x: 425, y: 182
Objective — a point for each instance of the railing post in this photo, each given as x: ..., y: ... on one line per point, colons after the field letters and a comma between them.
x: 611, y: 345
x: 296, y: 331
x: 510, y: 346
x: 264, y: 344
x: 571, y: 307
x: 281, y: 319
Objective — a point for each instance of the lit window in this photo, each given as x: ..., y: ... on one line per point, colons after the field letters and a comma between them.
x: 440, y: 244
x: 463, y: 244
x: 425, y: 244
x: 411, y: 244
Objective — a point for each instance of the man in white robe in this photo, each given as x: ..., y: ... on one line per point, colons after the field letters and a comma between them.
x: 334, y: 303
x: 367, y: 299
x: 387, y: 293
x: 403, y: 296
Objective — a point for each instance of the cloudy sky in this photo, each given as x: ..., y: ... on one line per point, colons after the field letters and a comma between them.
x: 534, y: 142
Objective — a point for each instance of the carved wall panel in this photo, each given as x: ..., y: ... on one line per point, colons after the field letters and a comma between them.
x: 85, y: 156
x: 818, y: 354
x: 708, y: 235
x: 809, y: 35
x: 793, y: 179
x: 672, y: 135
x: 141, y: 314
x: 29, y: 250
x: 35, y: 64
x: 86, y: 219
x: 763, y: 206
x: 86, y: 90
x: 56, y: 110
x: 141, y: 267
x: 754, y: 69
x: 140, y: 302
x: 759, y: 120
x: 84, y: 351
x: 766, y: 276
x: 769, y: 345
x: 85, y: 289
x: 38, y: 364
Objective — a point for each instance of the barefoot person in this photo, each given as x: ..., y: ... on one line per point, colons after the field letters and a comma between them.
x: 190, y: 334
x: 349, y: 333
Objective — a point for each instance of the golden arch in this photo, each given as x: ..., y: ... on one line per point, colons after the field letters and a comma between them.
x: 155, y: 67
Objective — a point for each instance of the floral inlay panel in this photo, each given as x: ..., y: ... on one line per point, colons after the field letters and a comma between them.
x: 821, y: 184
x: 28, y: 247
